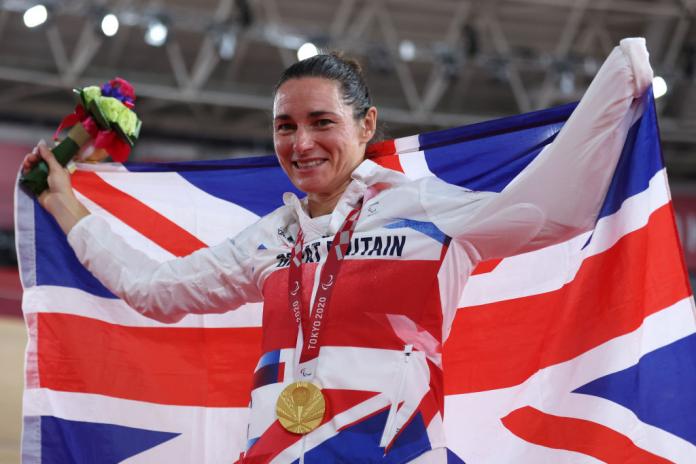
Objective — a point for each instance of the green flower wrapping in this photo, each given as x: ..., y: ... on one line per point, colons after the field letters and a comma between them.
x: 113, y: 110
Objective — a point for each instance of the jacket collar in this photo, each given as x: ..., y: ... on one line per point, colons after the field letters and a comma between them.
x: 368, y: 179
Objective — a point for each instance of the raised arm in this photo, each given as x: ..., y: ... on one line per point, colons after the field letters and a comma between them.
x: 212, y: 280
x: 560, y: 193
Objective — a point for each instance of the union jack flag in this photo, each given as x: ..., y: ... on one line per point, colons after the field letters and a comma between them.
x: 580, y: 352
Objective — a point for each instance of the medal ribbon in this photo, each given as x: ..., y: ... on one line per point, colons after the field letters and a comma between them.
x: 313, y: 324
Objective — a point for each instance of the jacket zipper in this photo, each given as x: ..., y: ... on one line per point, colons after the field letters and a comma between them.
x: 389, y: 427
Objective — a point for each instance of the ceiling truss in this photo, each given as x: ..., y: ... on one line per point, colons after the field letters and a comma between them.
x: 466, y: 50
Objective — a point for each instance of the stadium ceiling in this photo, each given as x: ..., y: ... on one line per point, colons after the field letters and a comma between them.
x: 430, y: 64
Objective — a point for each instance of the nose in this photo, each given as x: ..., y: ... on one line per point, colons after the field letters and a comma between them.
x: 303, y: 141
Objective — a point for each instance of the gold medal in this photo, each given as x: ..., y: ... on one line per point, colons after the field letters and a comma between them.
x: 300, y: 407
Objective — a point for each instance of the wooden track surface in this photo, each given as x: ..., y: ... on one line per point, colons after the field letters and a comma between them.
x: 13, y: 339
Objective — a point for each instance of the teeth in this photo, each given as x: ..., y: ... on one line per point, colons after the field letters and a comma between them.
x: 308, y: 164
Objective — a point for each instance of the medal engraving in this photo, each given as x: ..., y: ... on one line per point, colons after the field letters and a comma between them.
x: 300, y: 407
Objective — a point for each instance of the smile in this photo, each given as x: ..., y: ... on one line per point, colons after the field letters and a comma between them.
x: 307, y: 164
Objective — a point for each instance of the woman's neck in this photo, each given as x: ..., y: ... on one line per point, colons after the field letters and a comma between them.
x: 320, y: 204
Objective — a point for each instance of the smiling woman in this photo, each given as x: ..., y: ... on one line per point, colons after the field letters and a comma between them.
x: 353, y: 330
x: 322, y: 122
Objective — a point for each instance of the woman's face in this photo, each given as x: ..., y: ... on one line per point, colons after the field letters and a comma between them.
x: 317, y: 140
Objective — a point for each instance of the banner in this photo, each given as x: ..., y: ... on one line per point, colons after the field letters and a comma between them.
x: 579, y: 352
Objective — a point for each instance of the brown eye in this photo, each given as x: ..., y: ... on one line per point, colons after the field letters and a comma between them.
x: 323, y: 122
x: 284, y: 127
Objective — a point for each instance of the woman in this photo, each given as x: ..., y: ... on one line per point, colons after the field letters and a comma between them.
x: 363, y: 376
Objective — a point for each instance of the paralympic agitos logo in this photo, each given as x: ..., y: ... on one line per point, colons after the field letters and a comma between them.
x: 326, y: 285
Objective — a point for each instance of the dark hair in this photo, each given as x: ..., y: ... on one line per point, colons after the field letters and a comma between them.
x: 345, y: 71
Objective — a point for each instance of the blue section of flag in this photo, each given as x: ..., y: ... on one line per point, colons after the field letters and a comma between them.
x: 487, y: 156
x: 260, y: 190
x: 542, y: 119
x: 56, y: 263
x: 74, y: 442
x: 256, y: 184
x: 271, y: 357
x: 267, y: 375
x: 487, y: 165
x: 427, y: 228
x: 269, y: 370
x: 660, y: 389
x: 360, y: 443
x: 640, y: 160
x: 452, y: 458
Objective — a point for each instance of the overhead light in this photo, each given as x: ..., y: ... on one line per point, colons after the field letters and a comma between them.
x: 109, y: 25
x: 407, y: 50
x: 156, y: 33
x: 227, y: 45
x: 35, y: 16
x: 659, y: 86
x: 307, y: 50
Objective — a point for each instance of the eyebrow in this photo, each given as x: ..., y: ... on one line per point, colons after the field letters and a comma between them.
x: 312, y: 114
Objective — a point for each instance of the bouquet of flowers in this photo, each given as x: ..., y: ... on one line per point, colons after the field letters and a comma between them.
x: 103, y: 124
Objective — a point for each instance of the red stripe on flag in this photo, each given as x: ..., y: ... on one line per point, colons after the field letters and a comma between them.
x: 486, y: 266
x: 501, y: 344
x: 167, y: 365
x: 136, y: 214
x: 578, y: 435
x: 390, y: 162
x: 383, y: 148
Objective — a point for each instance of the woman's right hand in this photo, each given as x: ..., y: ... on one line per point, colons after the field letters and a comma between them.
x: 59, y: 198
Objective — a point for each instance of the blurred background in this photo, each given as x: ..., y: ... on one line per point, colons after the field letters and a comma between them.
x: 204, y: 70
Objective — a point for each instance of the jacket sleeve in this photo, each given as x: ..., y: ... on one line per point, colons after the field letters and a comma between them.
x: 559, y: 194
x: 210, y: 280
